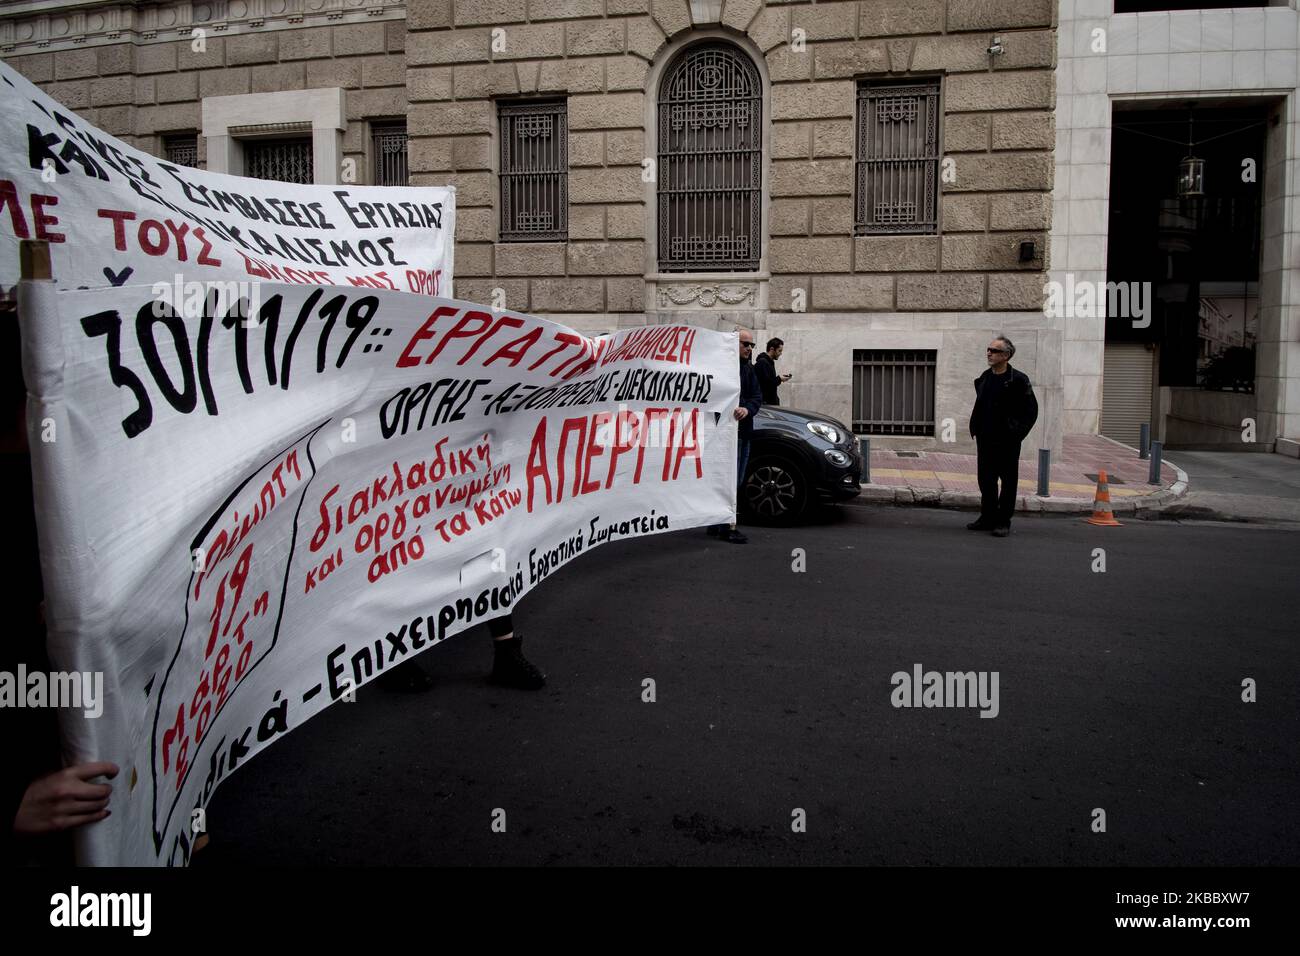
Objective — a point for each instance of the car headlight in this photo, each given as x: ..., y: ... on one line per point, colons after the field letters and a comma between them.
x: 836, y: 457
x: 827, y: 431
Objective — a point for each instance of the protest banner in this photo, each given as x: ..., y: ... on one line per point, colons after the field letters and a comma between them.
x: 264, y: 472
x: 241, y: 523
x: 114, y: 215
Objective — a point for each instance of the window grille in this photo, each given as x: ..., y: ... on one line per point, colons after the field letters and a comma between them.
x: 283, y: 160
x: 893, y: 391
x: 182, y: 150
x: 534, y: 171
x: 709, y: 168
x: 897, y: 165
x: 388, y: 152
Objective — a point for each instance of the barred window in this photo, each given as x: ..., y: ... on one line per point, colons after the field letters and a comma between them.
x: 283, y: 160
x: 710, y: 136
x: 388, y: 153
x: 897, y: 166
x: 534, y: 170
x: 181, y: 149
x: 893, y: 391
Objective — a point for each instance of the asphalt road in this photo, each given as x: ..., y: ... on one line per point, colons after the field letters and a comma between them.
x: 1238, y: 486
x: 1118, y: 690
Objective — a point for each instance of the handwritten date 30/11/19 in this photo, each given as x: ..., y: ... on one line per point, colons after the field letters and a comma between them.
x: 195, y: 362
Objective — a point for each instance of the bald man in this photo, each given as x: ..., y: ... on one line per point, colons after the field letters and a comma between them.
x: 751, y: 400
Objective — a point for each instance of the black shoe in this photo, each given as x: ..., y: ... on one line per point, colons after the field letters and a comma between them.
x: 406, y: 678
x: 511, y: 669
x: 1001, y: 531
x: 979, y: 524
x: 734, y: 537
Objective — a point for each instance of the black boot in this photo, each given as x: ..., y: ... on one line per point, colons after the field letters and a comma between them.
x: 511, y: 669
x: 407, y: 677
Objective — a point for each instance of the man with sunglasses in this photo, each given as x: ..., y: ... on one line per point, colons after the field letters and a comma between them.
x: 1005, y: 410
x: 751, y: 399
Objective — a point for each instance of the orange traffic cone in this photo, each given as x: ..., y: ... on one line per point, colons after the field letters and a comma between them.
x: 1101, y: 513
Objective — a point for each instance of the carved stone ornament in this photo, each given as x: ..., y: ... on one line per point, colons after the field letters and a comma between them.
x: 706, y: 295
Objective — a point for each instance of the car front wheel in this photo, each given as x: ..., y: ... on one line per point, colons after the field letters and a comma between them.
x: 775, y: 491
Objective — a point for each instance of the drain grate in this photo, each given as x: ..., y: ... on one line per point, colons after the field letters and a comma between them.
x: 1110, y: 479
x: 907, y: 454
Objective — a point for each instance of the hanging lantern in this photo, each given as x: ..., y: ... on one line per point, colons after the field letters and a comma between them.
x: 1191, y: 177
x: 1191, y: 171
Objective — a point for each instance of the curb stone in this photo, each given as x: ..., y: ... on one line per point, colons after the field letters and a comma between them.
x: 877, y: 493
x: 904, y: 495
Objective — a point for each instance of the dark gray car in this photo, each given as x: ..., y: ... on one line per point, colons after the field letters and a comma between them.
x: 797, y: 459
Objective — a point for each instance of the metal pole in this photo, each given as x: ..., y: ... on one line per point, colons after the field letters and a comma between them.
x: 1154, y: 477
x: 1044, y: 472
x: 1144, y: 441
x: 864, y: 445
x: 34, y: 259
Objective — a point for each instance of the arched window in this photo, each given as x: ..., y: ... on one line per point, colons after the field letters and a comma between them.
x: 710, y: 136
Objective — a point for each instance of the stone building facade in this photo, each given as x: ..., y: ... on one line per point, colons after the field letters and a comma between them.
x: 149, y: 73
x: 868, y: 291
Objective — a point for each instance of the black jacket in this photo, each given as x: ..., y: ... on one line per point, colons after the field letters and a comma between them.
x: 768, y: 380
x: 751, y: 396
x: 1005, y: 407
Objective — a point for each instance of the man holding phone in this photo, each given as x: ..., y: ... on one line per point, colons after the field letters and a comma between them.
x: 765, y: 368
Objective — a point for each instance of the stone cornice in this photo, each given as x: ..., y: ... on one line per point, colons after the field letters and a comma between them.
x: 31, y: 26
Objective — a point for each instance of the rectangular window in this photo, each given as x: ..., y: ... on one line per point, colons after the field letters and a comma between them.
x: 534, y: 171
x: 388, y: 154
x: 181, y: 149
x: 283, y: 160
x: 893, y: 391
x: 897, y: 165
x: 1227, y: 331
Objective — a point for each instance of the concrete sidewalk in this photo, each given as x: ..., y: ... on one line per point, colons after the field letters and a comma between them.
x: 949, y: 480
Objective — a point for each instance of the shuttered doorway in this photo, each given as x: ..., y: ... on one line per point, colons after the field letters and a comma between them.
x: 281, y: 160
x: 1125, y: 391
